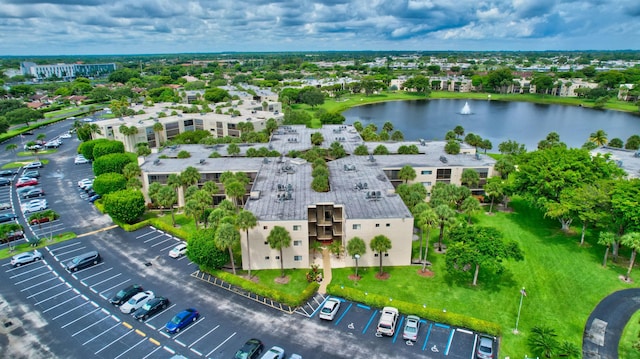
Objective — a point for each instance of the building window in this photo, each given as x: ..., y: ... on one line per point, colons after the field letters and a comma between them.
x: 356, y: 226
x: 296, y: 227
x: 266, y: 258
x: 278, y: 257
x: 426, y: 172
x: 266, y: 243
x: 265, y: 227
x: 377, y: 225
x: 443, y: 175
x: 297, y: 243
x: 375, y: 254
x: 172, y: 129
x: 297, y: 258
x: 427, y: 184
x: 386, y: 254
x: 388, y: 224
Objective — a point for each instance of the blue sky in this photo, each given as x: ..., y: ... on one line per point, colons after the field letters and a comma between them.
x: 69, y: 27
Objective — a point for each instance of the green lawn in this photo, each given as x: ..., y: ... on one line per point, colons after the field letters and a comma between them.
x: 26, y: 247
x: 563, y: 281
x: 297, y: 279
x: 630, y: 338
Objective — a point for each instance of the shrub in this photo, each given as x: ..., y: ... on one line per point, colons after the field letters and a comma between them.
x: 125, y: 205
x: 86, y: 148
x: 114, y: 162
x: 109, y: 182
x: 107, y: 147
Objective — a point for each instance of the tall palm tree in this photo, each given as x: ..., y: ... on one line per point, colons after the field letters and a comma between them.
x: 631, y: 240
x: 599, y: 138
x: 128, y: 132
x: 356, y: 247
x: 157, y: 129
x: 166, y: 198
x: 608, y: 239
x: 244, y: 221
x: 94, y: 128
x: 235, y: 190
x: 380, y: 244
x: 227, y: 236
x: 446, y: 216
x: 426, y: 219
x: 279, y: 238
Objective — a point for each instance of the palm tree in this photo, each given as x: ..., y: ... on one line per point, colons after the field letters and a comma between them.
x: 246, y: 220
x: 388, y: 126
x: 469, y: 206
x: 166, y: 198
x: 459, y: 131
x: 235, y: 190
x: 426, y: 219
x: 543, y: 341
x: 128, y: 132
x: 11, y: 147
x: 380, y: 244
x: 190, y: 176
x: 631, y: 240
x: 227, y: 236
x: 157, y: 129
x: 407, y: 173
x: 174, y: 182
x: 356, y: 247
x: 446, y: 216
x: 94, y: 128
x: 599, y: 138
x: 279, y: 238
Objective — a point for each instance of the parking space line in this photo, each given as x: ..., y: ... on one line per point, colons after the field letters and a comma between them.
x: 28, y: 279
x: 369, y: 322
x: 195, y: 351
x: 108, y: 279
x: 446, y: 351
x: 202, y: 337
x: 93, y: 275
x: 398, y: 327
x: 75, y: 320
x: 44, y: 290
x: 363, y: 306
x: 65, y: 246
x: 152, y: 238
x: 99, y: 335
x: 464, y: 331
x: 70, y: 310
x: 442, y: 325
x: 179, y: 342
x: 163, y: 333
x: 85, y: 328
x: 53, y: 297
x: 159, y: 243
x: 59, y: 304
x: 424, y: 346
x: 158, y: 315
x: 169, y: 246
x: 192, y: 325
x: 24, y: 272
x: 319, y: 307
x: 150, y: 326
x: 343, y: 314
x: 475, y: 343
x: 119, y: 284
x: 117, y: 340
x: 131, y: 347
x: 67, y: 252
x: 169, y: 350
x: 221, y: 344
x: 37, y: 284
x: 146, y: 234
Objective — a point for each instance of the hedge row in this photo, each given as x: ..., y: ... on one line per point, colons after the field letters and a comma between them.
x: 435, y: 315
x: 264, y: 291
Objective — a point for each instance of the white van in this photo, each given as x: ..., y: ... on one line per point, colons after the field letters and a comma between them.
x: 388, y: 321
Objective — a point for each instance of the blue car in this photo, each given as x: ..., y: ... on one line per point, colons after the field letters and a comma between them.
x: 181, y: 320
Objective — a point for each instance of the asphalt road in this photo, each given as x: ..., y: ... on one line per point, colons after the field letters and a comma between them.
x: 66, y: 315
x: 606, y: 323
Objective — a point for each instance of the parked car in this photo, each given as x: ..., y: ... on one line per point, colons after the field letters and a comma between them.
x: 80, y: 160
x: 295, y: 356
x: 33, y: 147
x: 273, y: 353
x: 181, y: 320
x: 83, y: 261
x: 485, y: 348
x: 35, y: 206
x: 125, y: 294
x: 31, y: 174
x: 33, y: 193
x: 5, y: 181
x: 387, y: 321
x: 53, y: 144
x: 5, y: 205
x: 36, y: 164
x: 83, y: 183
x: 25, y: 258
x: 8, y: 173
x: 136, y: 302
x: 40, y: 220
x: 23, y: 182
x: 150, y: 308
x: 13, y: 236
x: 65, y: 135
x: 94, y: 198
x: 330, y: 309
x: 178, y: 251
x: 250, y: 350
x: 411, y: 328
x: 7, y: 217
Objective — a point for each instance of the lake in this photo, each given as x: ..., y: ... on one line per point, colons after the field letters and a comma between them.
x: 498, y: 121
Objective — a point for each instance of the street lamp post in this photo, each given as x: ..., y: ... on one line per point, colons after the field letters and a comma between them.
x: 523, y: 294
x: 356, y: 257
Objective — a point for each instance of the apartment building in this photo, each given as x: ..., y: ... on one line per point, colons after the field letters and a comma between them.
x: 65, y: 71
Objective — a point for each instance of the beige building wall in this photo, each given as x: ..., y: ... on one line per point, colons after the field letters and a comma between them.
x: 264, y: 257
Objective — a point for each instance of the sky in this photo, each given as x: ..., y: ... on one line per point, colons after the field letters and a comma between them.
x: 97, y: 27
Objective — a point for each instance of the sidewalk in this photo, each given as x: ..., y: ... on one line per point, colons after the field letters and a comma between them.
x: 326, y: 266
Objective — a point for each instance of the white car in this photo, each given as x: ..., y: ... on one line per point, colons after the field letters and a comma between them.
x: 65, y: 135
x: 33, y: 165
x: 330, y: 309
x: 136, y: 302
x: 35, y: 206
x: 5, y: 205
x: 80, y: 160
x: 85, y: 182
x: 273, y: 353
x: 25, y: 258
x: 178, y: 251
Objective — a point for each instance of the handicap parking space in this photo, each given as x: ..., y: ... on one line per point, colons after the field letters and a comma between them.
x: 435, y: 340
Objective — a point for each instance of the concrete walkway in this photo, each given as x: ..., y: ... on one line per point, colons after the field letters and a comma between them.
x: 607, y: 321
x: 326, y: 267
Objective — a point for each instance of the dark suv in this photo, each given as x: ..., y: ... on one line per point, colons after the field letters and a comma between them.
x: 250, y: 350
x: 83, y: 261
x: 125, y: 294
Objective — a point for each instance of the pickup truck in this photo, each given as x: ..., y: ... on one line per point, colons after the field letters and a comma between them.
x: 388, y: 321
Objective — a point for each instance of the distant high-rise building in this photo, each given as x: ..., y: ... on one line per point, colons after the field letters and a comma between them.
x: 65, y: 71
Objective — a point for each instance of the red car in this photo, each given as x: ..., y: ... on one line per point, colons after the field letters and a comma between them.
x: 39, y: 220
x: 27, y: 182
